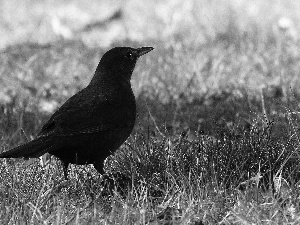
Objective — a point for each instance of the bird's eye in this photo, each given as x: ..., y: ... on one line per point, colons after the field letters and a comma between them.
x: 129, y: 55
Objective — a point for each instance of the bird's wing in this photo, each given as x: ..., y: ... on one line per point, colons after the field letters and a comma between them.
x: 84, y: 113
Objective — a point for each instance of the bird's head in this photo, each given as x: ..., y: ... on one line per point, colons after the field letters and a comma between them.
x: 119, y: 62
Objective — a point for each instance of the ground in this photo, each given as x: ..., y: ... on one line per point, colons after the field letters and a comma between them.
x: 216, y: 138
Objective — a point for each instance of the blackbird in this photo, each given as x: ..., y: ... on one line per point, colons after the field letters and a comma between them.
x: 96, y: 121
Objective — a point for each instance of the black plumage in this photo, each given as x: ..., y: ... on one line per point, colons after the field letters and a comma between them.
x: 96, y: 121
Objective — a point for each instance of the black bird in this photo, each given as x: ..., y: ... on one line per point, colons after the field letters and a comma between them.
x: 96, y: 121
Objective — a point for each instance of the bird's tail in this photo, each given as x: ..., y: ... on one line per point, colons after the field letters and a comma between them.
x: 32, y: 149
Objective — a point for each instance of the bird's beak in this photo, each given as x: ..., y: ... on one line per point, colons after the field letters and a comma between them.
x: 143, y: 50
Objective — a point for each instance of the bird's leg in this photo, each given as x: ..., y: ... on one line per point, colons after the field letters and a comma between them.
x: 107, y: 181
x: 65, y: 168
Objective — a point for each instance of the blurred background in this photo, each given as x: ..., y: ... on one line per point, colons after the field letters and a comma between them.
x: 103, y: 22
x: 213, y: 59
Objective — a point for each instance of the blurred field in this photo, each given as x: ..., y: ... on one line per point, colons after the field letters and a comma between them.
x: 218, y: 104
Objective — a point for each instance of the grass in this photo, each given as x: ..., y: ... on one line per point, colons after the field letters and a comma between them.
x: 216, y: 139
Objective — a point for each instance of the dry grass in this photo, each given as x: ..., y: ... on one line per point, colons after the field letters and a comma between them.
x: 217, y: 112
